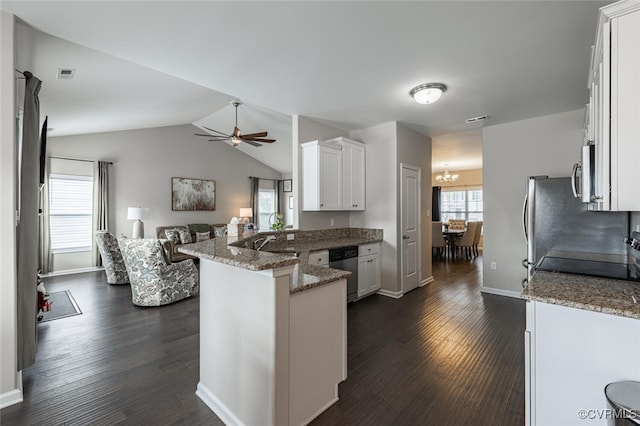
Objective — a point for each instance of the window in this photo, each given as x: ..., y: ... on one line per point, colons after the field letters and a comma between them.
x: 70, y: 212
x: 266, y: 207
x: 461, y: 204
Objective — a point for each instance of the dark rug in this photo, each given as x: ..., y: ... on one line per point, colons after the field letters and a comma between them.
x: 62, y: 305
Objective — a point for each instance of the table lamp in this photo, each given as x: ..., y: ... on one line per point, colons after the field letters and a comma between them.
x: 246, y: 213
x: 137, y: 214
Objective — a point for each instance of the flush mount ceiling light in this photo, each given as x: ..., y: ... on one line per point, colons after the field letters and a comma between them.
x: 428, y: 93
x: 446, y: 176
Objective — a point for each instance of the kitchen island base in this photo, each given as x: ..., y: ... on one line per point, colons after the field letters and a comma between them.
x: 268, y: 356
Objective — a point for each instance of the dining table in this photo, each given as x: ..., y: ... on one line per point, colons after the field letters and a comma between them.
x: 451, y: 236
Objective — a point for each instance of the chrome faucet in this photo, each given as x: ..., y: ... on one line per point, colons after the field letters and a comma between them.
x: 264, y: 241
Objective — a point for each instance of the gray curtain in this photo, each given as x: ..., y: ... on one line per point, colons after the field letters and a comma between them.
x: 44, y: 233
x: 436, y: 196
x: 27, y: 230
x: 100, y: 204
x: 255, y: 201
x: 277, y: 186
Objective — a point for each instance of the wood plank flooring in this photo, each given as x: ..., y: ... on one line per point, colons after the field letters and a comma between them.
x: 444, y: 354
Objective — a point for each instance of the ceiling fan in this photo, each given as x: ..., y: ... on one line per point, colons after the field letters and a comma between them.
x: 255, y: 139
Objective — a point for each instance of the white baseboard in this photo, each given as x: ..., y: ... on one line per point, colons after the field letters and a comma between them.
x: 426, y: 281
x: 501, y: 292
x: 10, y: 398
x: 73, y: 271
x: 220, y: 409
x: 389, y: 293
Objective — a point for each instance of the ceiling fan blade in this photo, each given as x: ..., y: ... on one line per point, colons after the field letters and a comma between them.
x: 251, y: 143
x: 203, y: 134
x: 215, y: 131
x: 254, y: 135
x: 263, y: 140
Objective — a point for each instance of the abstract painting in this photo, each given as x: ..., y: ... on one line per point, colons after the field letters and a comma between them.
x: 193, y: 194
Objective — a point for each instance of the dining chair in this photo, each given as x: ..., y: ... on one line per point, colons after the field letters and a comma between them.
x: 437, y: 240
x: 466, y: 242
x: 457, y: 224
x: 476, y: 240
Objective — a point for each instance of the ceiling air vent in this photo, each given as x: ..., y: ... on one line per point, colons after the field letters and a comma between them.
x: 475, y: 119
x: 65, y: 73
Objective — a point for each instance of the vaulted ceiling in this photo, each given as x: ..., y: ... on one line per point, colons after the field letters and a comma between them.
x: 350, y: 64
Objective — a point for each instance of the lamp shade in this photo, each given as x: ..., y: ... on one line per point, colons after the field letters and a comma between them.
x: 246, y: 212
x: 136, y: 213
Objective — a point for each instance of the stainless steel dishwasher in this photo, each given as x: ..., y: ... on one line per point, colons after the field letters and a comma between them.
x: 346, y: 258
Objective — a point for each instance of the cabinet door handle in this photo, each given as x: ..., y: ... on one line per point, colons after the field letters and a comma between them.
x: 405, y: 237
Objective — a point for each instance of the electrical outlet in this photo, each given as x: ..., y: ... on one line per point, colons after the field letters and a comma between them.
x: 291, y: 237
x: 333, y: 222
x: 494, y: 266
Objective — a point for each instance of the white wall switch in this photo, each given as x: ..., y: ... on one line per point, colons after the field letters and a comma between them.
x: 291, y: 237
x: 494, y: 266
x: 333, y: 222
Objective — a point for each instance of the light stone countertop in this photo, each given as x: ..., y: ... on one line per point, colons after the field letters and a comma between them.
x: 609, y: 296
x: 304, y: 276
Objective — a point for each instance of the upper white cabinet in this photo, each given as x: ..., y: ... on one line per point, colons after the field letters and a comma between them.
x: 333, y: 175
x: 613, y: 123
x: 353, y: 175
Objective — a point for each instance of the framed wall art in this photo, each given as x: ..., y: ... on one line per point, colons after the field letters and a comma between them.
x: 193, y: 194
x: 286, y: 185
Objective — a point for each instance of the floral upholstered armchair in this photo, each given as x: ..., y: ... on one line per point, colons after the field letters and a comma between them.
x: 154, y: 282
x: 111, y: 258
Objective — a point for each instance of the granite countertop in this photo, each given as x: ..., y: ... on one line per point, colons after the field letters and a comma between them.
x: 304, y: 276
x: 609, y: 296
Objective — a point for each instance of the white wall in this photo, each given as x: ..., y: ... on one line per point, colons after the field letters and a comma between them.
x: 145, y: 160
x: 381, y: 196
x: 304, y: 130
x: 511, y: 153
x: 10, y: 382
x: 415, y: 149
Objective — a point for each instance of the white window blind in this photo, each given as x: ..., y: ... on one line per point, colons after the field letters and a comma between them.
x: 267, y: 207
x: 70, y: 212
x: 461, y: 204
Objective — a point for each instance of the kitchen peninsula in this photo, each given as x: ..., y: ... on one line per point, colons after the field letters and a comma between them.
x: 272, y: 329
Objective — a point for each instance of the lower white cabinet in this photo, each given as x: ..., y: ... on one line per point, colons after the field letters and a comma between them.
x: 570, y: 356
x: 368, y: 269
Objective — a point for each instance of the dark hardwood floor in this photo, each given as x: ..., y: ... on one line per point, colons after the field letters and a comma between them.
x: 444, y: 354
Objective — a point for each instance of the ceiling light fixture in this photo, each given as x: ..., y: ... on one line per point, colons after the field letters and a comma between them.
x: 428, y: 93
x: 446, y: 176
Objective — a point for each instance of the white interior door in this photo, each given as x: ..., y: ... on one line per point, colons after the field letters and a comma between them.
x: 410, y: 226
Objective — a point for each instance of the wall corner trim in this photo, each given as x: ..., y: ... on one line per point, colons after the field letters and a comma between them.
x: 11, y: 398
x: 501, y: 292
x: 389, y: 293
x: 426, y: 281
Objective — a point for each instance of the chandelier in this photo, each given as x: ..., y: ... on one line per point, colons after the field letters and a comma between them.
x: 446, y: 176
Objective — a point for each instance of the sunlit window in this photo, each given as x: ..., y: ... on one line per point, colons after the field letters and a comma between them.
x: 461, y: 204
x: 70, y: 212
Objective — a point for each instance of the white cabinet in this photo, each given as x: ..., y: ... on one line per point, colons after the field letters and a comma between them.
x: 570, y: 356
x: 319, y: 258
x: 368, y: 269
x: 353, y: 175
x: 333, y: 175
x: 613, y: 124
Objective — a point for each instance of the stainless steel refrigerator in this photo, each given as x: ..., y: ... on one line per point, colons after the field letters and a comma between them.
x: 563, y: 236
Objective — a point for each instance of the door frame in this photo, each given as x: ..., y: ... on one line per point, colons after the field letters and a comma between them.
x: 401, y: 227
